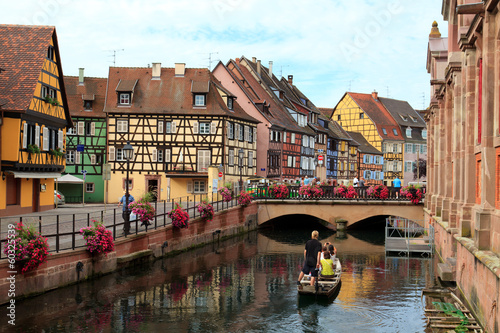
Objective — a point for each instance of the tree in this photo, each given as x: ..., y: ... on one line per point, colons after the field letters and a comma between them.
x: 422, y: 168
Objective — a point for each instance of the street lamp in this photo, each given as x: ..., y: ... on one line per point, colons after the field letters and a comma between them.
x: 128, y: 152
x: 241, y: 153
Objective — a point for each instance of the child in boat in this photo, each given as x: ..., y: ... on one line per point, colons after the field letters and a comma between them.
x: 333, y: 252
x: 327, y: 269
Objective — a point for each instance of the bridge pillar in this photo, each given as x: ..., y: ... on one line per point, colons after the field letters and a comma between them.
x: 341, y: 227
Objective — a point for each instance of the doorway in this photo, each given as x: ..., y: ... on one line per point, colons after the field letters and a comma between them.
x: 36, y: 195
x: 153, y: 188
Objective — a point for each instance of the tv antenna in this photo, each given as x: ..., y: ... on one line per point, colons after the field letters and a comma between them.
x: 423, y: 101
x: 281, y: 70
x: 210, y: 60
x: 114, y: 55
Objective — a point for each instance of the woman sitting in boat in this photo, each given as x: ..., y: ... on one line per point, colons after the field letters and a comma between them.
x: 333, y: 252
x: 327, y: 266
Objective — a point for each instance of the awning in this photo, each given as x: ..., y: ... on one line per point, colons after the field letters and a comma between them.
x: 69, y: 179
x: 37, y: 175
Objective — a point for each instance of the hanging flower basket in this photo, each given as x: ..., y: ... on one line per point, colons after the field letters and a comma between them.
x: 311, y: 191
x: 378, y: 192
x: 345, y: 192
x: 98, y: 239
x: 206, y: 210
x: 27, y: 250
x: 180, y: 218
x: 143, y: 209
x: 279, y: 191
x: 412, y: 193
x: 226, y: 193
x: 244, y: 199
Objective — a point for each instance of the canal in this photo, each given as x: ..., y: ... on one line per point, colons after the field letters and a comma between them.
x: 244, y: 284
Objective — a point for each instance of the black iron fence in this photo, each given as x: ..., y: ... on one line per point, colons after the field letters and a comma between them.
x: 63, y: 230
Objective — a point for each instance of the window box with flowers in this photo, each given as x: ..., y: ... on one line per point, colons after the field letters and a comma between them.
x: 226, y: 192
x: 311, y: 191
x: 51, y: 101
x: 279, y: 191
x: 98, y: 239
x: 206, y: 210
x: 244, y: 199
x: 143, y: 209
x: 413, y: 193
x: 180, y: 218
x: 378, y: 192
x: 27, y: 249
x: 33, y: 149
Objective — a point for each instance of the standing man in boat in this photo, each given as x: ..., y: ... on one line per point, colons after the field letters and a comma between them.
x: 312, y: 254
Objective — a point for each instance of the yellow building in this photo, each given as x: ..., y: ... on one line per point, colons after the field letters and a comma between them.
x: 365, y: 114
x: 34, y: 118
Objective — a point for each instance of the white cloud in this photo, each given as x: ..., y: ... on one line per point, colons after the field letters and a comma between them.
x: 327, y: 45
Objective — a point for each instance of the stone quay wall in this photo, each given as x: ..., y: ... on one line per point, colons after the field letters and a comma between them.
x: 476, y: 272
x: 60, y: 269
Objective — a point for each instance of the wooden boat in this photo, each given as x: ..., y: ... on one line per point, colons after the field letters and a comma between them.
x: 445, y: 312
x: 323, y: 286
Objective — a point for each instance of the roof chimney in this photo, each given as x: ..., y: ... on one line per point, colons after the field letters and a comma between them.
x: 375, y: 95
x: 254, y: 59
x: 435, y: 31
x: 180, y: 69
x: 80, y: 76
x: 156, y: 73
x: 237, y: 60
x: 270, y: 68
x: 290, y: 79
x: 258, y: 67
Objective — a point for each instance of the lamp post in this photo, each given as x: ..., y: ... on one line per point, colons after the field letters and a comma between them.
x: 128, y: 152
x: 241, y: 153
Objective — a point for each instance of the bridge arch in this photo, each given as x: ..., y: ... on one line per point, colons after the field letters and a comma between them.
x: 331, y: 211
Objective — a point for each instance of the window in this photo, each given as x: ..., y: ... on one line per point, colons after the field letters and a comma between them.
x: 89, y: 128
x: 92, y: 159
x: 241, y: 134
x: 408, y: 166
x: 121, y: 126
x: 199, y: 100
x: 52, y: 93
x: 416, y: 148
x: 408, y: 132
x: 44, y: 92
x: 384, y: 131
x: 338, y: 118
x: 293, y: 138
x: 229, y: 103
x: 395, y: 132
x: 89, y: 187
x: 124, y: 98
x: 395, y: 148
x: 167, y: 155
x: 70, y: 157
x: 231, y: 156
x: 361, y: 115
x: 199, y: 186
x: 71, y: 131
x: 87, y: 105
x: 203, y: 160
x: 160, y: 126
x: 246, y: 128
x: 230, y: 130
x: 395, y: 166
x: 119, y: 154
x: 171, y: 127
x: 250, y: 159
x: 384, y: 147
x: 250, y: 134
x: 289, y: 161
x: 408, y: 148
x: 50, y: 52
x: 424, y: 134
x: 423, y: 149
x: 204, y: 128
x: 130, y: 184
x: 159, y: 156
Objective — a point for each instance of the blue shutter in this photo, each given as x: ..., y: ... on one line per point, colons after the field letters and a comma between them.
x: 381, y: 160
x: 382, y: 175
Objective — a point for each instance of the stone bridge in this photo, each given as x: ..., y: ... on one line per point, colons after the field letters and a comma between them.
x: 351, y: 211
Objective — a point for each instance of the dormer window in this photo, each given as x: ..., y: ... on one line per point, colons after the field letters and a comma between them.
x: 404, y: 117
x: 408, y: 132
x: 200, y: 100
x: 230, y: 103
x: 395, y: 132
x: 87, y: 105
x: 124, y: 98
x: 424, y: 134
x: 414, y: 119
x: 384, y: 131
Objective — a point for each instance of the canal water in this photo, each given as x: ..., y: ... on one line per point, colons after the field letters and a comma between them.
x: 245, y: 284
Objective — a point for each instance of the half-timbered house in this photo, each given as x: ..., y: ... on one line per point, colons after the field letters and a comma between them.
x: 86, y: 141
x: 181, y: 122
x: 370, y: 161
x: 34, y: 118
x: 365, y: 114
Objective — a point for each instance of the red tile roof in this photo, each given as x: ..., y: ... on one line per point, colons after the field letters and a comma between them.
x: 378, y: 114
x: 23, y: 50
x: 169, y: 94
x: 94, y: 89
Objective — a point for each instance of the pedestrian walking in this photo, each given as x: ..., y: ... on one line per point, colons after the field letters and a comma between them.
x: 126, y: 212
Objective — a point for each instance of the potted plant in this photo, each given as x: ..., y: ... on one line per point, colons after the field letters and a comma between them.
x: 180, y: 218
x: 143, y: 209
x: 279, y: 191
x: 226, y: 192
x: 51, y: 101
x: 206, y: 210
x: 56, y: 152
x: 378, y: 191
x: 98, y: 239
x: 345, y: 191
x: 33, y: 149
x: 311, y: 191
x: 244, y: 199
x: 413, y: 193
x: 28, y: 249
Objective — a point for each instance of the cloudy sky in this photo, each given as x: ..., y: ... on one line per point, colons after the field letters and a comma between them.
x: 329, y: 46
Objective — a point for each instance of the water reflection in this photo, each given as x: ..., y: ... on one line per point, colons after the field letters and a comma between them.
x: 244, y: 284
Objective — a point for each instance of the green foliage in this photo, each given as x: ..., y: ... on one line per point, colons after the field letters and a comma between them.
x: 33, y: 149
